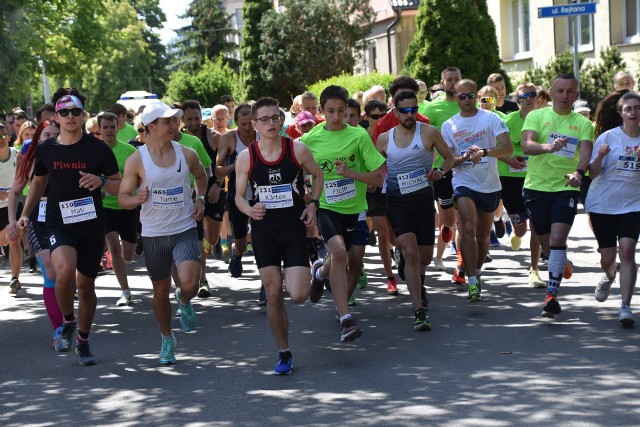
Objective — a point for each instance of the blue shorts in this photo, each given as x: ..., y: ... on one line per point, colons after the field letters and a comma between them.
x: 485, y: 202
x: 545, y: 208
x: 361, y: 234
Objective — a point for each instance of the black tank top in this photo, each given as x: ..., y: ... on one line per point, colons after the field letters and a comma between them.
x: 277, y: 184
x: 205, y: 141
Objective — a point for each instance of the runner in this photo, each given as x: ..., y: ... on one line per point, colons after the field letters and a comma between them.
x: 274, y: 167
x: 613, y: 203
x: 76, y: 166
x: 159, y: 171
x: 349, y: 162
x: 409, y: 149
x: 477, y: 137
x: 558, y: 142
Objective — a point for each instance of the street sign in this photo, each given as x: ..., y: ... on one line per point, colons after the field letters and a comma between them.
x: 567, y: 10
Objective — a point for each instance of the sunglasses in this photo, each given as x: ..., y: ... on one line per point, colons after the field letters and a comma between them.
x: 75, y: 112
x: 95, y: 133
x: 140, y: 130
x: 527, y: 95
x: 463, y: 96
x: 407, y: 110
x: 377, y: 116
x: 488, y: 100
x: 5, y: 136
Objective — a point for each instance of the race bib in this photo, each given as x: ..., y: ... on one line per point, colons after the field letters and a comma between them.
x: 412, y: 181
x: 524, y: 169
x: 167, y: 198
x: 468, y: 165
x: 568, y: 150
x: 627, y: 166
x: 78, y: 210
x: 339, y: 190
x: 276, y: 196
x: 42, y: 211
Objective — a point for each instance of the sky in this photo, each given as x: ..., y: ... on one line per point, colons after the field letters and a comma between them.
x: 173, y: 9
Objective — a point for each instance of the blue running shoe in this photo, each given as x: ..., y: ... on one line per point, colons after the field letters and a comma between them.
x: 188, y: 319
x: 262, y: 298
x: 86, y: 358
x: 508, y: 228
x: 235, y: 266
x: 56, y: 334
x: 285, y: 364
x: 64, y: 341
x: 493, y: 239
x: 166, y: 352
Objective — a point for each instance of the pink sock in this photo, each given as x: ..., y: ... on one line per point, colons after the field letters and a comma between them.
x: 53, y: 309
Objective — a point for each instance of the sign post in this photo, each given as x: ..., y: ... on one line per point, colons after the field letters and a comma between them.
x: 574, y: 10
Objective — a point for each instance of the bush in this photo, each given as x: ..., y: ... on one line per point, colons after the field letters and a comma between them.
x: 353, y: 83
x: 212, y: 80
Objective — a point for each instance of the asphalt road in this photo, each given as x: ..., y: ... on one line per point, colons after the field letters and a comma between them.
x: 493, y: 363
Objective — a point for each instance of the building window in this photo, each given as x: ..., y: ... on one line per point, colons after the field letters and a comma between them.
x: 520, y: 21
x: 585, y: 30
x: 630, y: 19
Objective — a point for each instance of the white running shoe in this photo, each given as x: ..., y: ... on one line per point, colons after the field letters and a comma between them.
x: 604, y: 288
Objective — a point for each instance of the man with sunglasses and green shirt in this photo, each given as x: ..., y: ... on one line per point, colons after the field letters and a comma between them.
x: 477, y: 138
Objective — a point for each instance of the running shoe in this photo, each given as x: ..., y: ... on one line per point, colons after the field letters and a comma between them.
x: 363, y: 281
x: 33, y: 265
x: 568, y: 270
x: 499, y: 227
x: 139, y: 246
x: 603, y: 288
x: 235, y: 266
x: 64, y: 341
x: 493, y: 239
x: 206, y: 246
x: 56, y: 335
x: 285, y: 364
x: 544, y: 260
x: 421, y: 321
x: 423, y: 296
x: 262, y: 297
x: 125, y: 299
x: 488, y: 258
x: 349, y: 330
x: 474, y: 293
x: 352, y: 301
x: 516, y: 242
x: 452, y: 249
x: 14, y: 286
x: 249, y: 250
x: 225, y: 249
x: 217, y: 250
x: 188, y: 319
x: 373, y: 240
x: 446, y: 234
x: 626, y: 316
x: 401, y: 263
x: 508, y: 227
x: 393, y: 258
x: 167, y: 357
x: 458, y: 276
x: 317, y: 285
x: 203, y: 289
x: 535, y: 280
x: 392, y: 286
x: 438, y: 265
x: 86, y: 358
x: 551, y: 306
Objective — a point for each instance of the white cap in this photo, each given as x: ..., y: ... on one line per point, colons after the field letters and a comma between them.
x: 158, y: 110
x: 581, y: 106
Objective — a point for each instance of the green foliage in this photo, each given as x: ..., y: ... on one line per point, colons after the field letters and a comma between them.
x: 206, y: 36
x: 212, y: 80
x: 596, y: 81
x: 309, y: 41
x: 459, y: 34
x: 353, y: 83
x: 252, y: 83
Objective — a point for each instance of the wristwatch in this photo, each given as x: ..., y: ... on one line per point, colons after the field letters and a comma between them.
x: 484, y: 152
x: 315, y: 202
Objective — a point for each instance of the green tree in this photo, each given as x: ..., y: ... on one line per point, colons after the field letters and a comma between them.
x: 252, y: 83
x: 309, y: 41
x: 207, y: 37
x: 354, y: 83
x: 459, y: 33
x: 211, y: 81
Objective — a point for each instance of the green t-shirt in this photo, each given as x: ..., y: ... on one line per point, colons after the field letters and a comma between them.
x: 127, y: 132
x: 423, y: 107
x: 353, y: 146
x: 514, y: 123
x: 545, y: 172
x: 500, y: 114
x: 122, y: 151
x: 439, y: 111
x: 195, y: 143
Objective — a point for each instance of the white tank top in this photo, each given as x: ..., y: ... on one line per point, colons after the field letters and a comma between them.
x: 169, y: 207
x: 7, y: 174
x: 407, y: 167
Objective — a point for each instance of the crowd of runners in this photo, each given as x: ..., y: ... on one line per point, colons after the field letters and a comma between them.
x: 305, y: 190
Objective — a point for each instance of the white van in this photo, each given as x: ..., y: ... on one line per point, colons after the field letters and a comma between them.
x: 134, y: 99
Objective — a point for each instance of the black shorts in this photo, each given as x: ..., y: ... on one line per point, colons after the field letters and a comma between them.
x: 485, y: 202
x: 585, y: 183
x: 88, y: 241
x: 200, y: 230
x: 512, y: 195
x: 237, y: 219
x: 413, y: 214
x: 443, y: 190
x: 4, y: 215
x: 277, y: 246
x: 37, y: 233
x: 611, y: 228
x: 122, y: 221
x: 377, y: 203
x: 332, y: 223
x: 215, y: 211
x: 361, y: 234
x: 545, y: 208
